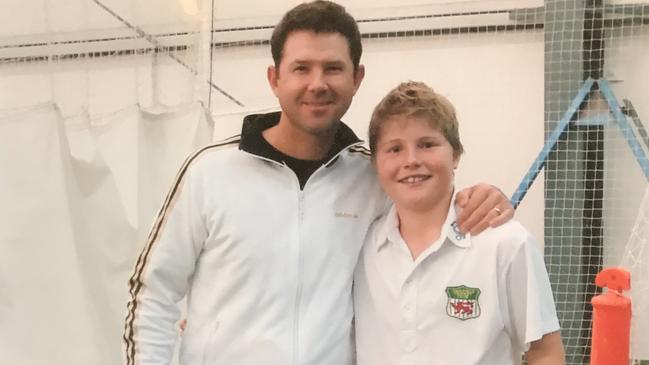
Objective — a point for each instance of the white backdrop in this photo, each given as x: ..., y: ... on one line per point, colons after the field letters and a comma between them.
x: 77, y: 202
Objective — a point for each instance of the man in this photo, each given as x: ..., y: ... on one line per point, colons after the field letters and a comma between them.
x: 262, y: 232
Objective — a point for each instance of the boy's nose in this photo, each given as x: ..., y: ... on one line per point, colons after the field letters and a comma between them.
x: 412, y: 157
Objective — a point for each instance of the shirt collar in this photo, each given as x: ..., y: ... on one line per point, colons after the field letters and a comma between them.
x: 253, y: 141
x: 389, y: 230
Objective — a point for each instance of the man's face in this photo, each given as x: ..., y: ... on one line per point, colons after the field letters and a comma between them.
x: 315, y: 81
x: 415, y: 163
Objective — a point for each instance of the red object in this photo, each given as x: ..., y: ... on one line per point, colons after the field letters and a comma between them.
x: 611, y: 319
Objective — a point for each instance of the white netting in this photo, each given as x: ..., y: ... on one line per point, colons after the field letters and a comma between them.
x: 593, y: 181
x: 636, y: 260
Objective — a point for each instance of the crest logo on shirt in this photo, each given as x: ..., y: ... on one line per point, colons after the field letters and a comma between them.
x: 463, y: 302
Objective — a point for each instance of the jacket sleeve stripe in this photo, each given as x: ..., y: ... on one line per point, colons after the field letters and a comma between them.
x: 360, y: 149
x: 135, y: 282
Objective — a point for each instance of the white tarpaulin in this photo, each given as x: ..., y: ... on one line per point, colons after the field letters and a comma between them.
x: 77, y: 199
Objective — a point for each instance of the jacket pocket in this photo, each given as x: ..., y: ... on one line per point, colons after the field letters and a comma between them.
x: 196, y: 340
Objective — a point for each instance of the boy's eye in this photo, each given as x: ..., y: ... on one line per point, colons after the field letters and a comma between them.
x: 299, y: 68
x: 394, y: 149
x: 426, y: 144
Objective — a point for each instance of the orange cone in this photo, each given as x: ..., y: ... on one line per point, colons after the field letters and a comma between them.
x: 611, y: 319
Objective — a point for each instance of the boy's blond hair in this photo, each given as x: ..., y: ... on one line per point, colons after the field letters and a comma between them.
x: 416, y: 99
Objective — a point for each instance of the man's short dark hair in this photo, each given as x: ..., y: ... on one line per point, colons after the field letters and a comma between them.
x: 320, y: 17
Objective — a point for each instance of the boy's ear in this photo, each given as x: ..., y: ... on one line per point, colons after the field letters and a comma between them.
x: 456, y: 161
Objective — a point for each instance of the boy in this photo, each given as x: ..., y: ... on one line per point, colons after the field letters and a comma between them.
x: 424, y: 292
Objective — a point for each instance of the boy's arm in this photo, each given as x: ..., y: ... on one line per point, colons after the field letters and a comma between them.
x: 529, y: 309
x: 546, y: 351
x: 482, y: 206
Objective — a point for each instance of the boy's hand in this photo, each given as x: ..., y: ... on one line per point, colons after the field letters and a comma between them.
x: 482, y: 206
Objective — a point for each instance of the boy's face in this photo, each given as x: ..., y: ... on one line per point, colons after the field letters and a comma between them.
x: 315, y: 80
x: 414, y: 162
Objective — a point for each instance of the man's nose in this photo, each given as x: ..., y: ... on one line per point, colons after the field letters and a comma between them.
x: 317, y: 81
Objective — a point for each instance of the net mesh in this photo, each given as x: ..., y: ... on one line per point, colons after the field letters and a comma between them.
x: 636, y: 260
x: 593, y: 182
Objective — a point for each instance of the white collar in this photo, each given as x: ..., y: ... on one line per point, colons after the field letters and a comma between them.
x: 389, y: 230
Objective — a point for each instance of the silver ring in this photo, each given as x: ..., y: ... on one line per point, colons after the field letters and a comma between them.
x: 498, y: 210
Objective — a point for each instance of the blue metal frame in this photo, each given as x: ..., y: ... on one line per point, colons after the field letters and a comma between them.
x: 633, y: 114
x: 597, y: 120
x: 539, y: 162
x: 628, y: 133
x: 552, y: 140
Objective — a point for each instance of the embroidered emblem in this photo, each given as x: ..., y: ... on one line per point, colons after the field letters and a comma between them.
x: 346, y: 215
x: 463, y: 302
x: 458, y: 235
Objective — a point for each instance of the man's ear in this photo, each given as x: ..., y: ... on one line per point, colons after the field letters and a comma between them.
x: 272, y: 76
x: 359, y: 74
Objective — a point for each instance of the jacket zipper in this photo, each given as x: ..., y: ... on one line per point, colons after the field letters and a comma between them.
x: 298, y: 292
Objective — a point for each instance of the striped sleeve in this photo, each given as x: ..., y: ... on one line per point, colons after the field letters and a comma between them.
x: 163, y: 270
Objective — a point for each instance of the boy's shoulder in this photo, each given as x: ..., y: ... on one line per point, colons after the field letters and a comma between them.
x: 507, y: 238
x: 378, y: 230
x: 511, y: 229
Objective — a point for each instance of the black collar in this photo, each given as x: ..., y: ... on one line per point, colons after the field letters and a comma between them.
x: 252, y: 140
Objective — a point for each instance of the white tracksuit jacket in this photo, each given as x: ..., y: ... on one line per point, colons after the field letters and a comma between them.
x: 267, y: 268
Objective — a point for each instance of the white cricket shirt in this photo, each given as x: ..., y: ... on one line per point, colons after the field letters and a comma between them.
x: 464, y: 300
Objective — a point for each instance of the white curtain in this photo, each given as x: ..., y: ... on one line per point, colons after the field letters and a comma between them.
x: 78, y: 197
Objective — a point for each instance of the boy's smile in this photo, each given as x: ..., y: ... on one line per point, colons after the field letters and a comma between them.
x: 415, y: 163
